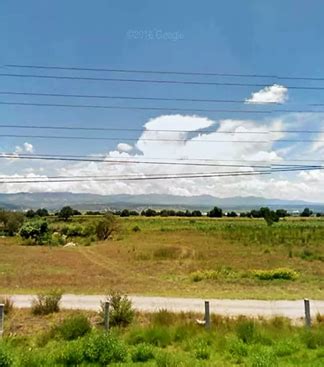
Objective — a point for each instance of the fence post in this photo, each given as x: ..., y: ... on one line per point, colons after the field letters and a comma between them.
x: 207, y: 315
x: 308, y: 321
x: 106, y: 316
x: 1, y: 318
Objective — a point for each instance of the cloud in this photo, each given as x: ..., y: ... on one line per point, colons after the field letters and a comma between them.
x: 123, y: 147
x: 226, y: 143
x: 272, y: 94
x: 25, y: 148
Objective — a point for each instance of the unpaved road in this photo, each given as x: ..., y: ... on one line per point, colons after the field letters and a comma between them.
x: 253, y: 308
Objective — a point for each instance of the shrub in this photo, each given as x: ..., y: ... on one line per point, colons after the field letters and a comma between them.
x: 142, y: 353
x: 8, y: 304
x: 285, y: 348
x: 70, y: 354
x: 136, y: 229
x: 106, y: 227
x: 73, y: 327
x: 45, y: 304
x: 104, y: 349
x: 36, y: 230
x: 280, y: 273
x: 168, y: 359
x: 121, y: 312
x: 313, y: 338
x: 6, y: 359
x: 237, y: 348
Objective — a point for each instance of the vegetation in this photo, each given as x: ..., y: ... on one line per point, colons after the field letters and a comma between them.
x: 162, y: 339
x: 180, y: 256
x: 45, y: 304
x: 121, y: 312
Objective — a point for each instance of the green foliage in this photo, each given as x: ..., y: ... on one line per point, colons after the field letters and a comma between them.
x: 106, y: 227
x: 313, y: 338
x: 280, y: 273
x: 202, y: 350
x: 246, y: 330
x: 136, y: 229
x: 160, y: 336
x: 70, y: 354
x: 263, y: 357
x: 306, y: 213
x: 163, y: 317
x: 121, y: 312
x: 104, y: 349
x: 73, y: 327
x: 142, y: 353
x: 215, y: 213
x: 45, y: 304
x: 66, y: 213
x: 11, y: 221
x: 221, y: 273
x: 36, y: 230
x: 6, y: 357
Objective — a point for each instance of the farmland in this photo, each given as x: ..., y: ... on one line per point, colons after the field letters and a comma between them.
x: 189, y: 257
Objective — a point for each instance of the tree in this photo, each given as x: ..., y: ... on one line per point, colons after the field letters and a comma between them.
x: 106, y: 227
x: 282, y: 213
x: 232, y: 214
x: 196, y: 213
x: 125, y: 213
x: 215, y: 213
x: 36, y: 230
x: 11, y: 221
x: 42, y: 212
x: 30, y: 213
x: 66, y: 213
x: 306, y: 213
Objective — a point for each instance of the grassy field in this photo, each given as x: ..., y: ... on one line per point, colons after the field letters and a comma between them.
x: 162, y: 339
x: 191, y: 257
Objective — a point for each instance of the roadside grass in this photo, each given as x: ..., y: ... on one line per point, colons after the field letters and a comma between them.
x: 160, y: 339
x: 164, y: 255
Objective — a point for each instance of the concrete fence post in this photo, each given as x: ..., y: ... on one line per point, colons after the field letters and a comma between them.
x: 1, y: 318
x: 106, y: 315
x: 207, y: 315
x: 308, y: 321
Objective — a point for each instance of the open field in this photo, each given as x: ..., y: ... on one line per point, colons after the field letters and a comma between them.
x: 186, y: 257
x: 162, y: 339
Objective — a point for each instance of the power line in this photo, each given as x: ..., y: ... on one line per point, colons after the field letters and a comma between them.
x: 161, y: 177
x: 127, y: 160
x: 140, y: 108
x: 118, y: 138
x: 96, y: 96
x: 171, y: 72
x: 168, y: 109
x: 154, y: 81
x: 203, y: 131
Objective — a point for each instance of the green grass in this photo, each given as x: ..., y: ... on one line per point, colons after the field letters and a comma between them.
x: 167, y: 340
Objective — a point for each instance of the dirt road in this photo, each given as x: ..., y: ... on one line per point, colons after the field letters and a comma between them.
x: 253, y: 308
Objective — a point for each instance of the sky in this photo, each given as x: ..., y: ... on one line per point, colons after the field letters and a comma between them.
x: 277, y: 38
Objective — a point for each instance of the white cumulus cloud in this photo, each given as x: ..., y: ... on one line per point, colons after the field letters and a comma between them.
x: 272, y: 94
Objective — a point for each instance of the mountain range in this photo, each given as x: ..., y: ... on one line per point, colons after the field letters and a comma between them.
x: 85, y: 201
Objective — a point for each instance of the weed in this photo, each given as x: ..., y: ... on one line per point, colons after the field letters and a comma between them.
x: 73, y: 327
x: 45, y: 304
x: 280, y: 273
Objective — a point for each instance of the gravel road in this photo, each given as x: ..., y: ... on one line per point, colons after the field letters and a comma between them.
x: 253, y: 308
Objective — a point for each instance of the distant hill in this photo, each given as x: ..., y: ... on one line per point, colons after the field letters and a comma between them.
x: 81, y: 201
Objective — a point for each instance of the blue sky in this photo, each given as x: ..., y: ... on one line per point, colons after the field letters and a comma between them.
x: 251, y: 37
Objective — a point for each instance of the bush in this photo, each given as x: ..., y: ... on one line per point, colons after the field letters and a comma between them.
x: 70, y: 354
x: 8, y: 304
x: 106, y: 227
x: 104, y: 349
x: 263, y: 358
x: 159, y: 336
x: 280, y: 273
x: 36, y: 230
x: 45, y: 304
x: 142, y: 353
x: 313, y: 338
x: 121, y: 312
x: 6, y: 359
x: 136, y: 229
x: 163, y: 317
x: 73, y: 327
